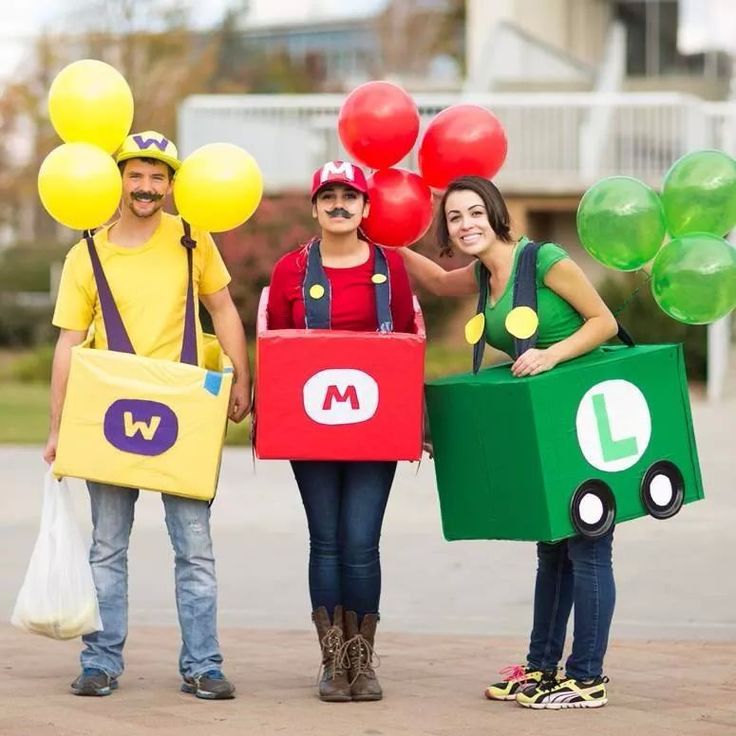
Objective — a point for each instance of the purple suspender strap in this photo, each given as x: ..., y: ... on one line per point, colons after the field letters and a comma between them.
x: 189, y: 341
x: 117, y: 336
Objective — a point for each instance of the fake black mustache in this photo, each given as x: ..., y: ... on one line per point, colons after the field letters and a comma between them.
x: 147, y: 196
x: 339, y: 212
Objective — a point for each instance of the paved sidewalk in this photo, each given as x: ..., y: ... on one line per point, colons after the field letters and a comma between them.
x: 433, y: 686
x: 453, y: 615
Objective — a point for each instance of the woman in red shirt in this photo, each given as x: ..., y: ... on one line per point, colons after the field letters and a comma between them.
x: 340, y: 281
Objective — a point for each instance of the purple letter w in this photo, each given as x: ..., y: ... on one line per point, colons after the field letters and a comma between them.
x: 143, y: 144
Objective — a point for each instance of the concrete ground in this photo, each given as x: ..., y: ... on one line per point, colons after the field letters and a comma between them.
x: 452, y: 615
x: 433, y: 686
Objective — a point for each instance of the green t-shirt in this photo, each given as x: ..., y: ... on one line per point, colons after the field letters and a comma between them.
x: 558, y: 319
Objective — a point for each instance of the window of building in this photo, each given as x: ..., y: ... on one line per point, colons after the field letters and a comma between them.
x: 651, y: 45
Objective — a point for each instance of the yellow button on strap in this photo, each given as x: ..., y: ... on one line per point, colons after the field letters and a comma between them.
x: 474, y: 328
x: 522, y: 322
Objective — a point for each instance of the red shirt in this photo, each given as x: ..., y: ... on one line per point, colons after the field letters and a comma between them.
x: 353, y: 304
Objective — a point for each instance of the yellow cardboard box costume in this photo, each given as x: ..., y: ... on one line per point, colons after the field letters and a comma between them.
x: 133, y: 415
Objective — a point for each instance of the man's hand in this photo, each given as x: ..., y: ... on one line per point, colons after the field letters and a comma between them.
x: 239, y: 406
x: 49, y: 452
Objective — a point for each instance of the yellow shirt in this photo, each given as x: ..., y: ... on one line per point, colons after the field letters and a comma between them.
x: 148, y: 284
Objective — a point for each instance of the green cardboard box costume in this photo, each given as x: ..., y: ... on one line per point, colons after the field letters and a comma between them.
x: 598, y: 440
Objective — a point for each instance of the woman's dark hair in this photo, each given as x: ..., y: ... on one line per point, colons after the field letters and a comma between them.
x: 498, y: 213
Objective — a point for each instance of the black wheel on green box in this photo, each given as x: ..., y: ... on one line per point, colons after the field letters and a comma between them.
x: 662, y: 489
x: 593, y: 509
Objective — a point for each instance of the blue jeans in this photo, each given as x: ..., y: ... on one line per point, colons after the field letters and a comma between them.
x: 188, y: 522
x: 345, y: 503
x: 577, y: 572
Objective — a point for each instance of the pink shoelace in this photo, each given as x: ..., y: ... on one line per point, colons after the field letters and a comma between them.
x: 513, y: 673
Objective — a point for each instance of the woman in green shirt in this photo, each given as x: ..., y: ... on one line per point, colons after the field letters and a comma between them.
x: 573, y: 320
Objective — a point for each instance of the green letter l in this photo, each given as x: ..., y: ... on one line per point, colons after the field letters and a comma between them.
x: 612, y: 449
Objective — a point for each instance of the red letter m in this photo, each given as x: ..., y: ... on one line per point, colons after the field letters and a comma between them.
x: 333, y: 394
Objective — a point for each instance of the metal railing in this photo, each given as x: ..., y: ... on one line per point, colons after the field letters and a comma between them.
x: 555, y: 145
x: 559, y: 144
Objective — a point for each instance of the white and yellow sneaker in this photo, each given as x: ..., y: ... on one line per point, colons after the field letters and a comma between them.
x: 569, y: 693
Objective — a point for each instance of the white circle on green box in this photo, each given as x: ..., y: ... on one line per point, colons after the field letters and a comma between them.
x: 613, y: 425
x: 591, y: 509
x: 661, y: 490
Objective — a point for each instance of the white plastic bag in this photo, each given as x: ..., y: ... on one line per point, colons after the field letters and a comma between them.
x: 58, y: 597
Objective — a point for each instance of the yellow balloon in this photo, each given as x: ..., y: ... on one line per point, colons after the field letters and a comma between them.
x: 522, y: 322
x: 218, y: 187
x: 474, y: 328
x: 90, y: 102
x: 79, y: 185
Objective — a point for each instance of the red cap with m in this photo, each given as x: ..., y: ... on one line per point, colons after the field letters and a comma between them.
x: 339, y: 172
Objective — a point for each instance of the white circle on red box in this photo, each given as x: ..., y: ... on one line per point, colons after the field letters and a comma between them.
x: 340, y: 396
x: 613, y: 425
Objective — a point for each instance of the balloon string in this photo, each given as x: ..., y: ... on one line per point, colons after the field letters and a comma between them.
x: 633, y: 294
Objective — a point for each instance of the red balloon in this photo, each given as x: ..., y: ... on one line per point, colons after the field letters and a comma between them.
x: 401, y: 208
x: 378, y: 124
x: 462, y: 140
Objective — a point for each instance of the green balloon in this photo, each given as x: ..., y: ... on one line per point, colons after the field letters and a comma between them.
x: 621, y: 222
x: 694, y: 278
x: 699, y: 194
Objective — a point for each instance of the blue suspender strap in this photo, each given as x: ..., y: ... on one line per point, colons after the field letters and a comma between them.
x: 383, y: 292
x: 624, y: 336
x: 478, y: 349
x: 316, y: 301
x: 525, y: 295
x: 525, y: 291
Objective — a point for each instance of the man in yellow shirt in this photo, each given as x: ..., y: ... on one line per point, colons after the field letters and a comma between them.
x: 146, y: 266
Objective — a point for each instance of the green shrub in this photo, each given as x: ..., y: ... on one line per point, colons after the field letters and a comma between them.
x: 25, y: 281
x: 34, y: 367
x: 26, y: 267
x: 22, y: 326
x: 647, y: 323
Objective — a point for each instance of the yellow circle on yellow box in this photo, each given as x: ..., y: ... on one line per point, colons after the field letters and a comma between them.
x: 90, y: 102
x: 218, y: 187
x: 522, y: 322
x: 79, y: 185
x: 474, y: 328
x: 317, y: 291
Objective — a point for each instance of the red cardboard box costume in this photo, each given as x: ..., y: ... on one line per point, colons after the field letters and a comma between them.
x: 349, y: 387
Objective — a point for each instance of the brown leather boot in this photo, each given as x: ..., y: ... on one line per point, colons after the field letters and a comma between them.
x: 364, y: 684
x: 333, y: 684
